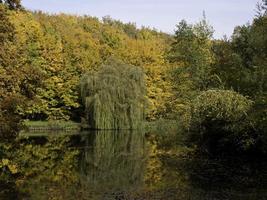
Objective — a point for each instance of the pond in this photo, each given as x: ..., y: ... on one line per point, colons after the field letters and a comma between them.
x: 124, y: 165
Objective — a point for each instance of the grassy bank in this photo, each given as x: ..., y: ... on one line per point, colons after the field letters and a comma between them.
x: 155, y: 126
x: 51, y: 126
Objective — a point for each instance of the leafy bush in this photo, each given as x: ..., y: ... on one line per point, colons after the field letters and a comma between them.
x: 220, y: 123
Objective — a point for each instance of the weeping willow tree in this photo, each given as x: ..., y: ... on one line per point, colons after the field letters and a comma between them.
x: 114, y: 96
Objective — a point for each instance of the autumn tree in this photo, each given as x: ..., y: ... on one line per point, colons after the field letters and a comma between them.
x: 12, y: 4
x: 19, y: 80
x: 58, y: 49
x: 9, y: 121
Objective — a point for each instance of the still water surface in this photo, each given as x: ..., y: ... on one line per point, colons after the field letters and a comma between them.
x: 112, y: 165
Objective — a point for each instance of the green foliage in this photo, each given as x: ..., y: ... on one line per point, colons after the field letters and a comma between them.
x: 249, y: 43
x: 241, y: 64
x: 114, y: 97
x: 192, y: 55
x: 192, y: 61
x: 220, y: 105
x: 192, y: 71
x: 220, y: 122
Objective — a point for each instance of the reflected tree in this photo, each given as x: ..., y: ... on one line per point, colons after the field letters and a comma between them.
x: 114, y: 160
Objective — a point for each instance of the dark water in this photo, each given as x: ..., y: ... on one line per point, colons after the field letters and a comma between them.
x: 127, y: 165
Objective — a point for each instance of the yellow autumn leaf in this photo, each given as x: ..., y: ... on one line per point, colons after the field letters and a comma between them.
x: 13, y: 169
x: 5, y: 162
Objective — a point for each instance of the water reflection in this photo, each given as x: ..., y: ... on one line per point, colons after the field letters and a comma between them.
x: 113, y: 160
x: 126, y: 165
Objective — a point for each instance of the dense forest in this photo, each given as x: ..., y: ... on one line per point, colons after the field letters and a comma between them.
x: 214, y: 89
x: 43, y: 58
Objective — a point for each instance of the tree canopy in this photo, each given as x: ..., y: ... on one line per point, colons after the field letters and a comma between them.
x: 12, y: 4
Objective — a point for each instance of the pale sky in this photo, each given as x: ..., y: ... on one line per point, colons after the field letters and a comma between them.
x: 163, y: 15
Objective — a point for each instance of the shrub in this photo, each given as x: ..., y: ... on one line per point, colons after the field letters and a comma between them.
x: 220, y: 123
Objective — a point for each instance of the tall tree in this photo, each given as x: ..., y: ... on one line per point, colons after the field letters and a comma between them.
x: 192, y: 56
x: 114, y: 97
x: 19, y: 80
x: 241, y: 64
x: 9, y: 121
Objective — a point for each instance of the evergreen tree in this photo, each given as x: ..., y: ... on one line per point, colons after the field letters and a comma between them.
x: 192, y: 51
